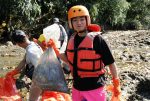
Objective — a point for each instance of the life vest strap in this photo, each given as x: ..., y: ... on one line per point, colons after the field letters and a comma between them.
x: 70, y: 63
x: 85, y: 48
x: 91, y: 74
x: 78, y: 49
x: 85, y: 70
x: 90, y: 59
x: 70, y: 50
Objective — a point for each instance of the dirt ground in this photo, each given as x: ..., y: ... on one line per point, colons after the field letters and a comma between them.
x: 131, y: 50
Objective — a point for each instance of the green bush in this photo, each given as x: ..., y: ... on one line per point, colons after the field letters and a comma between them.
x: 132, y: 24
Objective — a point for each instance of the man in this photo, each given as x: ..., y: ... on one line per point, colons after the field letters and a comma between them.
x: 63, y: 35
x: 64, y: 39
x: 32, y: 55
x: 61, y: 41
x: 30, y: 61
x: 87, y: 55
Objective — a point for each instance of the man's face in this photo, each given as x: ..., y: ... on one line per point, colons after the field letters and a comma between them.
x: 79, y: 23
x: 19, y: 44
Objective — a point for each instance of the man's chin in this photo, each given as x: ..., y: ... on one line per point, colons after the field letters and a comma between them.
x: 81, y: 31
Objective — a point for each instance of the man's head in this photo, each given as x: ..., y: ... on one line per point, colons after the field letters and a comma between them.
x: 18, y: 36
x: 55, y: 20
x: 78, y: 11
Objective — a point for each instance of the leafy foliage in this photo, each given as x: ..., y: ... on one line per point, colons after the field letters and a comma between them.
x: 34, y: 15
x: 110, y: 13
x: 140, y: 12
x: 24, y: 13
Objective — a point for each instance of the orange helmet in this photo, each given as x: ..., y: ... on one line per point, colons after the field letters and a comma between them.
x: 77, y: 11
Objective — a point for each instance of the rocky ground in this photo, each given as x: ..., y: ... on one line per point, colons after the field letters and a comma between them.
x: 131, y: 50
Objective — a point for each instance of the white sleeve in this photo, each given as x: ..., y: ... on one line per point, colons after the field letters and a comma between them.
x: 33, y: 58
x: 65, y: 36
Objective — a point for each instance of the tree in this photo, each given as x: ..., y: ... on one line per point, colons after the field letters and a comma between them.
x: 21, y: 13
x: 110, y: 13
x: 34, y: 15
x: 138, y: 16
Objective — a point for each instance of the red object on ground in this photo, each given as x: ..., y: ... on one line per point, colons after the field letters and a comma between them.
x: 8, y: 90
x: 55, y: 96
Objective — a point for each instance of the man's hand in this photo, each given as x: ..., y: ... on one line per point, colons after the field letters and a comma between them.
x: 43, y: 45
x: 12, y: 73
x: 117, y: 89
x: 52, y: 44
x: 35, y: 40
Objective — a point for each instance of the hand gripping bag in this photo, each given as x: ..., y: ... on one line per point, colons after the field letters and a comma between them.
x: 48, y: 75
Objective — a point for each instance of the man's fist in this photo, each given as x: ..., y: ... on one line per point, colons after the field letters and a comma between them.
x: 12, y: 73
x: 52, y: 44
x: 117, y: 89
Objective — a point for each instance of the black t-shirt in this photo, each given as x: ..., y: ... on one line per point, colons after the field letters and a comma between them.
x: 101, y: 47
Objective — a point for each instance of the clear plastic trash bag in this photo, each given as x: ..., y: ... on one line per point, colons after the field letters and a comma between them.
x: 52, y: 32
x: 48, y: 75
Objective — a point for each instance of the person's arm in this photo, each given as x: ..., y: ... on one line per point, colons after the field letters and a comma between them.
x: 115, y: 80
x: 34, y: 56
x: 18, y: 68
x: 113, y: 70
x: 62, y: 56
x: 21, y: 64
x: 102, y: 48
x: 35, y: 92
x: 65, y: 36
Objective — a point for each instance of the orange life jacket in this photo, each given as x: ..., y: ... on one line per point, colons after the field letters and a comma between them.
x: 89, y: 64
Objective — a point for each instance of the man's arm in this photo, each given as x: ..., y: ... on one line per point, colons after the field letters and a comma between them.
x: 21, y: 64
x: 102, y: 48
x: 115, y: 80
x: 18, y: 68
x: 65, y: 36
x: 113, y: 70
x: 35, y: 92
x: 63, y: 57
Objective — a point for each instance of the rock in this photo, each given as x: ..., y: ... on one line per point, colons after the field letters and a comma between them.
x: 9, y: 43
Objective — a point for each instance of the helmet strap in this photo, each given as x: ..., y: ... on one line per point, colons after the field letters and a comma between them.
x: 86, y: 20
x: 82, y: 31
